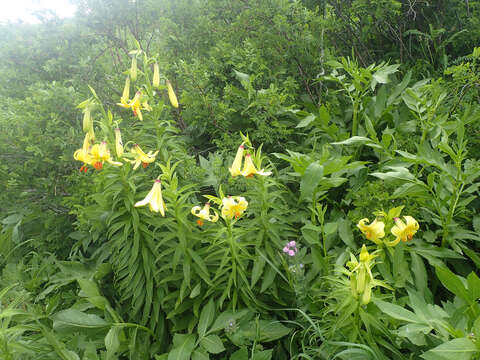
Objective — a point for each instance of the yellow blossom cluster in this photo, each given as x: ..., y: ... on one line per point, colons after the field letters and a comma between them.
x: 403, y: 231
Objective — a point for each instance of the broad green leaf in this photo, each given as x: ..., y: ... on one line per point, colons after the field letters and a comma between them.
x: 456, y: 349
x: 270, y: 330
x: 112, y: 342
x: 473, y: 286
x: 183, y: 347
x: 72, y: 318
x: 381, y: 75
x: 310, y: 179
x: 206, y: 317
x: 222, y: 320
x: 263, y: 355
x: 241, y: 354
x: 200, y: 354
x: 213, y: 344
x: 452, y: 282
x: 397, y: 312
x: 306, y: 121
x: 345, y: 232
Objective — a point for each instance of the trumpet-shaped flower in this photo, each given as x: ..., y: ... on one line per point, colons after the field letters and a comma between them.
x: 233, y: 207
x: 118, y: 142
x: 141, y: 157
x: 250, y: 170
x: 374, y: 231
x: 235, y: 169
x: 402, y: 231
x: 154, y: 199
x: 204, y: 214
x: 99, y: 154
x: 135, y: 104
x: 171, y: 95
x: 83, y: 154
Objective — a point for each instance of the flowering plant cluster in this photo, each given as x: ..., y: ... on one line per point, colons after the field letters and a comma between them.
x: 96, y: 154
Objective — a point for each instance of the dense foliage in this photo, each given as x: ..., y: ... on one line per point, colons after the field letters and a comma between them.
x: 310, y: 170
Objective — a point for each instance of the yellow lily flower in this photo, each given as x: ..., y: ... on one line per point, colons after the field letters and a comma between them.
x: 135, y: 104
x: 156, y: 76
x: 374, y: 231
x: 171, y: 95
x: 118, y: 142
x: 99, y: 154
x: 237, y: 162
x: 204, y: 214
x: 233, y: 207
x: 141, y: 157
x: 402, y: 231
x: 83, y: 154
x: 250, y: 170
x: 154, y: 199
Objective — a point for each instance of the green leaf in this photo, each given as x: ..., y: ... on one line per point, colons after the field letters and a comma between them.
x: 222, y: 319
x: 241, y: 354
x: 381, y: 75
x: 200, y: 354
x: 206, y: 318
x: 306, y: 121
x: 257, y: 270
x: 270, y: 330
x: 263, y: 355
x: 310, y: 179
x: 345, y: 232
x: 397, y: 312
x: 112, y: 342
x: 473, y: 286
x: 452, y: 282
x: 183, y: 347
x: 71, y: 318
x: 456, y: 349
x: 213, y: 344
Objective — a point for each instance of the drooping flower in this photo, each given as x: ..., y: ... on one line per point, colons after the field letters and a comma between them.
x: 204, y: 214
x: 83, y: 154
x: 171, y: 95
x: 402, y: 231
x: 99, y: 154
x: 235, y: 169
x: 126, y: 92
x: 135, y: 104
x: 233, y: 207
x: 156, y: 76
x: 154, y: 199
x: 141, y: 157
x: 118, y: 142
x: 250, y: 170
x: 374, y: 231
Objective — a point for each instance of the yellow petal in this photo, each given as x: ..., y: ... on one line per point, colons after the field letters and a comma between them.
x: 237, y: 162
